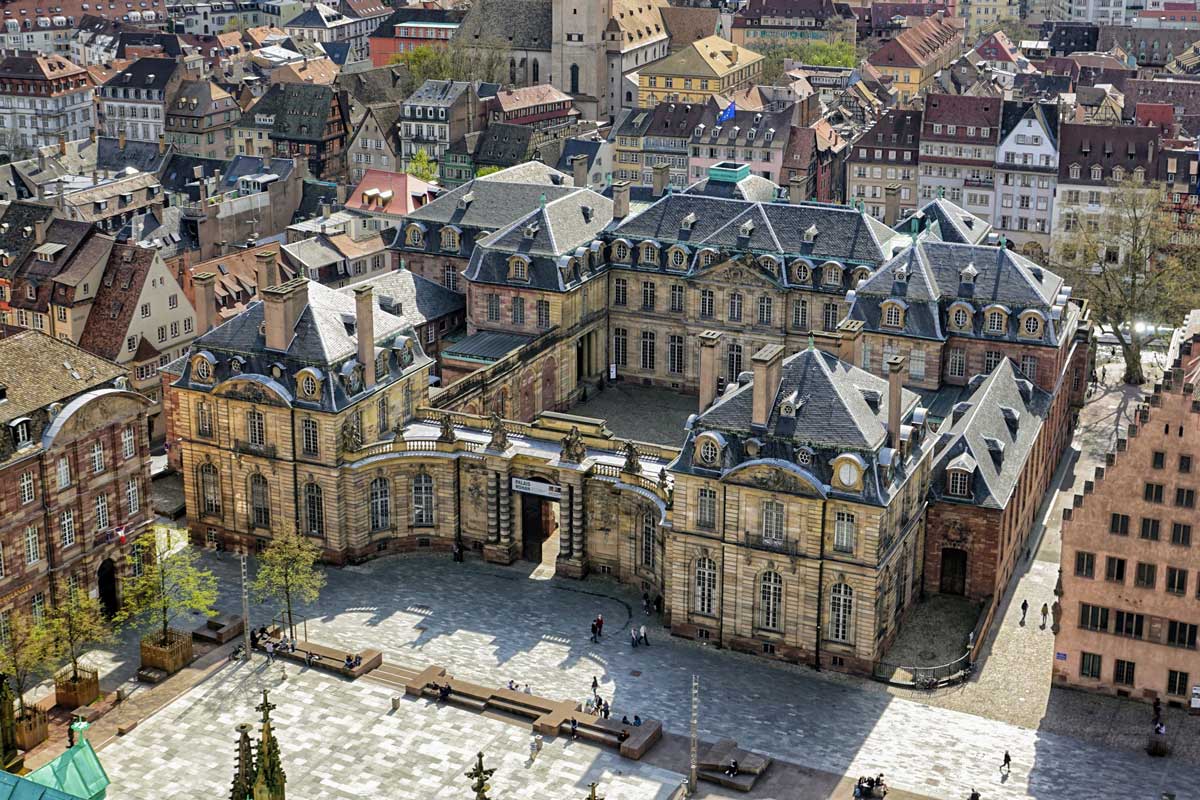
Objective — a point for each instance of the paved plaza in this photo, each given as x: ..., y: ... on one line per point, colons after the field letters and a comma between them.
x: 642, y: 413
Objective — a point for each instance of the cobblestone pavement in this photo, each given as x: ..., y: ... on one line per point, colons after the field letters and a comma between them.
x: 342, y: 741
x: 643, y: 413
x: 492, y: 624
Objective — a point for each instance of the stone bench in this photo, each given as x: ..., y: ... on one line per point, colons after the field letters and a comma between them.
x: 327, y: 658
x: 608, y: 731
x: 715, y: 759
x: 220, y: 629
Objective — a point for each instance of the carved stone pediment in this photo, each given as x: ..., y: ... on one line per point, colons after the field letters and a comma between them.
x: 772, y: 479
x: 249, y: 391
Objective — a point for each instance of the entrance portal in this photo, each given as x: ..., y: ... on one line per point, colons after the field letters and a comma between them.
x: 954, y: 571
x: 538, y: 525
x: 106, y: 581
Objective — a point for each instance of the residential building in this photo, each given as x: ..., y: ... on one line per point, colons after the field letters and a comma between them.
x: 812, y: 164
x: 711, y: 66
x: 755, y: 138
x: 986, y: 16
x: 438, y: 315
x: 327, y: 25
x: 320, y: 70
x: 1124, y: 620
x: 75, y: 467
x: 881, y: 168
x: 134, y: 102
x: 541, y: 106
x: 687, y: 24
x: 959, y: 134
x: 436, y: 114
x: 588, y: 158
x: 504, y: 145
x: 239, y: 275
x: 388, y: 196
x: 200, y: 120
x: 647, y: 138
x: 412, y: 27
x: 43, y: 98
x: 375, y: 142
x: 766, y: 23
x: 108, y: 202
x: 297, y: 121
x: 1027, y: 175
x: 337, y: 259
x: 914, y: 56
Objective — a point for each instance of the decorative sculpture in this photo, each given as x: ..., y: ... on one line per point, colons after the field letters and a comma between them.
x: 351, y: 435
x: 446, y: 432
x: 499, y: 440
x: 632, y: 462
x: 479, y: 778
x: 573, y: 449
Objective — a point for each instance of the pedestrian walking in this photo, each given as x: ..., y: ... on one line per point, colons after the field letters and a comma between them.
x: 644, y: 637
x: 1045, y: 613
x: 270, y: 648
x: 1024, y: 610
x: 607, y: 709
x: 1007, y: 765
x: 599, y: 626
x: 595, y: 684
x: 633, y: 637
x: 594, y: 631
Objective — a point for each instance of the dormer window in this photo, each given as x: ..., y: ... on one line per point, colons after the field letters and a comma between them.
x: 1097, y: 173
x: 708, y: 449
x: 1139, y: 174
x: 860, y: 275
x: 997, y: 322
x: 893, y: 315
x: 21, y: 433
x: 960, y: 318
x: 1075, y: 172
x: 415, y: 237
x: 848, y: 473
x: 649, y: 253
x: 801, y: 272
x: 678, y: 258
x: 958, y: 483
x: 1031, y: 325
x: 621, y: 252
x: 450, y: 240
x: 688, y: 221
x: 810, y: 234
x: 518, y: 268
x: 831, y: 273
x: 1118, y: 174
x: 746, y: 229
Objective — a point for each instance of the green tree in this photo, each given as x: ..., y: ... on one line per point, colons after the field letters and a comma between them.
x: 1133, y: 263
x: 479, y: 173
x: 25, y: 651
x: 421, y: 167
x: 486, y: 60
x: 817, y: 53
x: 168, y: 584
x: 288, y: 573
x: 74, y: 622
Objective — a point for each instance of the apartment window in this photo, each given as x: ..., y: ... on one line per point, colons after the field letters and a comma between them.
x: 706, y: 303
x: 648, y: 536
x: 648, y: 290
x: 957, y: 367
x: 1181, y: 534
x: 128, y: 443
x: 1185, y: 498
x: 800, y: 314
x: 648, y: 350
x: 493, y: 307
x: 33, y: 545
x: 26, y: 487
x: 1114, y: 569
x: 381, y: 504
x: 543, y: 314
x: 1093, y: 618
x: 145, y: 310
x: 1119, y: 524
x: 1185, y: 463
x: 675, y: 354
x: 310, y: 437
x: 841, y: 609
x: 66, y: 527
x: 1146, y: 575
x: 97, y: 457
x: 1123, y: 673
x: 210, y: 489
x: 620, y: 347
x: 844, y: 532
x: 260, y: 500
x: 1181, y: 634
x: 991, y: 359
x: 1150, y: 529
x: 1085, y: 565
x: 620, y: 292
x: 735, y: 307
x: 1029, y: 365
x: 1177, y: 580
x: 706, y: 508
x: 1158, y: 460
x: 518, y: 310
x: 706, y: 585
x: 1153, y: 493
x: 829, y: 317
x: 677, y: 299
x: 772, y: 521
x: 1177, y: 683
x: 64, y: 472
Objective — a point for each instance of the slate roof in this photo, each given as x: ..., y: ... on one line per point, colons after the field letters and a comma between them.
x: 300, y: 111
x: 372, y: 86
x: 145, y: 73
x: 991, y: 434
x: 32, y: 369
x: 942, y: 220
x: 505, y: 144
x: 116, y: 300
x: 520, y: 24
x: 486, y: 346
x: 313, y: 194
x: 15, y: 239
x: 408, y: 295
x: 64, y: 238
x: 576, y: 146
x: 416, y: 14
x: 438, y: 93
x: 687, y: 24
x: 496, y: 199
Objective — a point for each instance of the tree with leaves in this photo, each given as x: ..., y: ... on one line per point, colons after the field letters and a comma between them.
x: 488, y: 170
x: 421, y: 167
x: 166, y: 581
x: 1128, y: 261
x: 75, y: 622
x: 25, y: 651
x: 486, y: 60
x: 288, y: 572
x: 817, y: 53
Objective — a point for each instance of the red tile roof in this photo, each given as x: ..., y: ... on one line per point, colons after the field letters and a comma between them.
x: 408, y: 193
x: 116, y: 300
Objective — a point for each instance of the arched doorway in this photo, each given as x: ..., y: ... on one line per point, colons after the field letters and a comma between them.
x: 954, y: 571
x: 106, y: 581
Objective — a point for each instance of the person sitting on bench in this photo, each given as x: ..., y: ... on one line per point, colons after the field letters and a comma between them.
x: 623, y: 735
x: 349, y: 663
x: 310, y: 657
x: 444, y: 693
x: 358, y: 660
x: 637, y: 721
x: 732, y: 769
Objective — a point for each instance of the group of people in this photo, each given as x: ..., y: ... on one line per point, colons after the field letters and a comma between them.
x: 871, y: 787
x: 638, y: 636
x: 597, y: 628
x: 513, y: 686
x: 1025, y: 610
x: 443, y: 691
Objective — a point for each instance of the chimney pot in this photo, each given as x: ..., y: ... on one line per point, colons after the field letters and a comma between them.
x: 620, y: 199
x: 264, y: 271
x: 39, y: 231
x: 662, y: 177
x: 851, y: 332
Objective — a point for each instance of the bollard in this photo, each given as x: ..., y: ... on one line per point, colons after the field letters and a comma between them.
x: 395, y: 704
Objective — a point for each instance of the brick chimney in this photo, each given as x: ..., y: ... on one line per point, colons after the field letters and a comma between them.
x: 39, y: 231
x: 579, y: 170
x: 796, y: 190
x: 895, y: 377
x: 62, y: 144
x: 767, y: 363
x: 891, y: 204
x: 364, y: 325
x: 708, y: 368
x: 204, y: 285
x: 264, y: 270
x: 282, y: 307
x: 620, y: 199
x: 662, y: 177
x: 162, y: 144
x: 850, y: 332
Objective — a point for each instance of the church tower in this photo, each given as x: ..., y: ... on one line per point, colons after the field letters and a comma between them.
x: 578, y: 51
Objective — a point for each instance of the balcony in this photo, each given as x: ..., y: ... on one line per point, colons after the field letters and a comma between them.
x: 252, y: 449
x: 979, y: 183
x: 783, y: 546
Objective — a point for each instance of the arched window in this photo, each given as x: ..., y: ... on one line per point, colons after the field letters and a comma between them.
x: 537, y: 72
x: 1032, y: 326
x: 450, y: 240
x: 422, y: 499
x: 381, y: 504
x: 648, y: 531
x: 628, y: 97
x: 995, y: 322
x: 574, y: 79
x: 892, y: 316
x: 210, y: 489
x: 649, y: 253
x: 314, y: 510
x: 706, y: 585
x: 260, y: 501
x: 770, y: 598
x: 1097, y: 173
x: 841, y: 609
x: 256, y: 430
x: 415, y: 236
x: 960, y: 318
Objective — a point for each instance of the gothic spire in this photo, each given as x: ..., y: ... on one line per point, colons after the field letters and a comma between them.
x: 269, y: 779
x: 243, y: 773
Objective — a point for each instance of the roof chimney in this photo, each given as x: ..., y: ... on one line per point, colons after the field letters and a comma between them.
x: 579, y: 169
x: 39, y: 231
x: 850, y: 331
x: 620, y: 199
x: 205, y: 286
x: 662, y: 176
x: 162, y: 144
x: 708, y: 368
x: 92, y: 135
x: 767, y: 362
x: 364, y: 326
x: 264, y: 269
x: 62, y: 144
x: 796, y: 190
x: 891, y: 204
x: 282, y: 307
x: 121, y: 139
x: 895, y: 377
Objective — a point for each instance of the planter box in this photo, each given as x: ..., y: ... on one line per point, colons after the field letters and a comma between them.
x: 170, y: 657
x: 73, y: 689
x: 32, y: 729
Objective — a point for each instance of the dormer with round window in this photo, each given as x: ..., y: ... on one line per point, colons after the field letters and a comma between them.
x: 848, y: 471
x: 892, y: 312
x: 620, y: 251
x: 414, y: 235
x: 709, y: 448
x: 204, y: 368
x: 308, y: 384
x: 961, y: 317
x: 801, y: 272
x: 1032, y: 324
x: 995, y: 320
x: 677, y: 258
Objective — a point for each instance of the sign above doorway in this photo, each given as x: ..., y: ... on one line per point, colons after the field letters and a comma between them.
x: 536, y: 487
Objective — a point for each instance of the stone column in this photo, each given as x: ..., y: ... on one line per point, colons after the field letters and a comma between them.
x: 577, y: 536
x: 493, y: 515
x: 505, y: 506
x: 500, y: 548
x: 564, y: 526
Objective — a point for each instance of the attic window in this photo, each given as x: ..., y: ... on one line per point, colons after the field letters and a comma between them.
x: 810, y: 234
x: 688, y: 221
x: 958, y: 483
x: 746, y: 229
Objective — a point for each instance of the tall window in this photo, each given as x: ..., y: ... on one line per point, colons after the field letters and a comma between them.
x: 97, y: 457
x: 33, y: 545
x: 543, y: 314
x: 735, y: 361
x: 648, y: 529
x: 381, y: 504
x: 829, y: 317
x: 841, y: 609
x: 706, y: 508
x: 210, y: 489
x: 133, y: 496
x: 101, y: 511
x: 959, y: 483
x: 1029, y: 365
x: 203, y: 419
x: 26, y: 488
x: 128, y: 442
x: 916, y: 364
x: 957, y: 367
x: 772, y: 521
x: 766, y: 310
x: 260, y: 500
x: 675, y: 354
x: 38, y: 607
x: 574, y: 79
x: 620, y: 347
x: 706, y: 585
x: 493, y: 307
x: 991, y: 359
x: 255, y: 428
x: 677, y: 298
x: 518, y: 311
x: 450, y: 277
x: 770, y: 600
x: 800, y: 314
x: 381, y: 415
x: 422, y: 499
x: 843, y: 532
x: 648, y: 290
x: 66, y: 527
x: 620, y: 292
x: 64, y: 472
x: 314, y: 510
x: 311, y: 438
x: 648, y: 350
x: 735, y: 307
x: 706, y: 303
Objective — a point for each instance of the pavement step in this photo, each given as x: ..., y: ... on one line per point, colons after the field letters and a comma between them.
x: 717, y: 756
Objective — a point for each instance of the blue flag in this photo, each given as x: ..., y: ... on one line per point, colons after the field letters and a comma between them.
x: 728, y: 113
